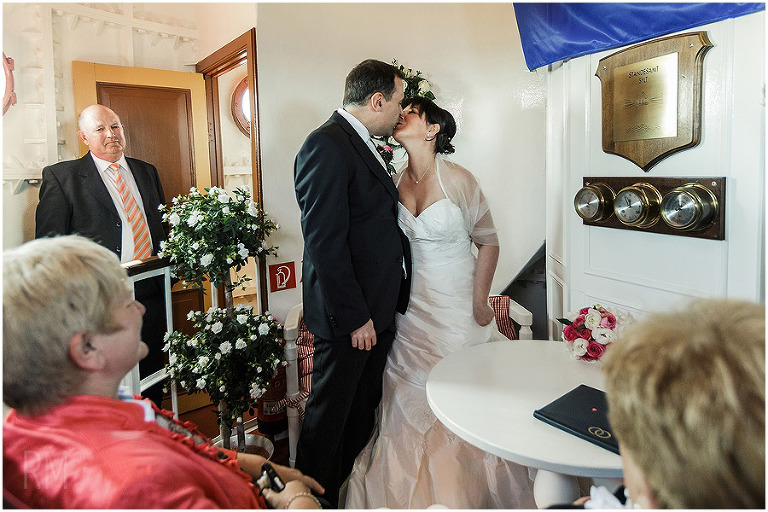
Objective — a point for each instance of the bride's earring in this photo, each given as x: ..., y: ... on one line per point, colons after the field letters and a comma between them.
x: 428, y: 138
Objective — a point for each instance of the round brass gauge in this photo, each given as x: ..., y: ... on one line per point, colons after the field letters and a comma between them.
x: 638, y: 205
x: 690, y: 207
x: 594, y: 202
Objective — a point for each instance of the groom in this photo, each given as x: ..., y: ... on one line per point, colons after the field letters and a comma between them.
x: 355, y: 270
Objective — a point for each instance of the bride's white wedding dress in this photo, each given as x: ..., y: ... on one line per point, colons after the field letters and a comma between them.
x: 412, y: 460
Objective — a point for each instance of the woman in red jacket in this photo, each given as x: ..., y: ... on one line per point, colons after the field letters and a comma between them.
x: 71, y: 333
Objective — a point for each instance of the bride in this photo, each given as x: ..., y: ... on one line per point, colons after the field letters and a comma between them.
x: 412, y: 460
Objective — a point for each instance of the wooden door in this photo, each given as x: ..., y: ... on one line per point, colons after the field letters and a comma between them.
x: 158, y: 129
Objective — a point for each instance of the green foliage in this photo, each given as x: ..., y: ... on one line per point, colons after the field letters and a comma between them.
x: 213, y: 232
x: 233, y: 359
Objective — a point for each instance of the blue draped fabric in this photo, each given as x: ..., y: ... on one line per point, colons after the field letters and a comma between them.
x: 556, y: 31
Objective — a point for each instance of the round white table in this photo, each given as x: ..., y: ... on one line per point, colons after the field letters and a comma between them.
x: 486, y: 394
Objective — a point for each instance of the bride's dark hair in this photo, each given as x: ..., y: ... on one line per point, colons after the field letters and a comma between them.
x: 435, y: 115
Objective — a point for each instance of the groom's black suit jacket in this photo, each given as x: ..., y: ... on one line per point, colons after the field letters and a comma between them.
x: 353, y: 247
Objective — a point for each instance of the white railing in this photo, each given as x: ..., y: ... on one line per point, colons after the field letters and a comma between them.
x: 139, y: 270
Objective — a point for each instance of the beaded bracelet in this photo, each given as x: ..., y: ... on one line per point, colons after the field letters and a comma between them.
x: 303, y: 495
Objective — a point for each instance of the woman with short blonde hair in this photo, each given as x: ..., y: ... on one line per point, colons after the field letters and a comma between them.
x: 686, y: 400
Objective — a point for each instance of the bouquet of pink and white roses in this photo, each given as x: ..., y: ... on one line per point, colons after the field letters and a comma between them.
x: 589, y: 332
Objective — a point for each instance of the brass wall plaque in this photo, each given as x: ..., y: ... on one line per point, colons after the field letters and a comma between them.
x: 651, y: 98
x: 645, y: 99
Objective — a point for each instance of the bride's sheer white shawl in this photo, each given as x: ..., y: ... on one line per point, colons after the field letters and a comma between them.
x: 461, y: 187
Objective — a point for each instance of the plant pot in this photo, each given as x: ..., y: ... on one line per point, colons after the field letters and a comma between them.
x: 257, y: 445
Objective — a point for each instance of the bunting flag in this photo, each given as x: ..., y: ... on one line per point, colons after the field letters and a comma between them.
x: 551, y: 32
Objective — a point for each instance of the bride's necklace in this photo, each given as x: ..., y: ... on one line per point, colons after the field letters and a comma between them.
x: 423, y: 174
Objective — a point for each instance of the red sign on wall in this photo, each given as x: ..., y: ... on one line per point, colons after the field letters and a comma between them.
x: 282, y: 276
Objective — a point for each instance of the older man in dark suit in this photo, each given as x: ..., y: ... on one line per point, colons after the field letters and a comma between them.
x: 354, y: 270
x: 113, y: 200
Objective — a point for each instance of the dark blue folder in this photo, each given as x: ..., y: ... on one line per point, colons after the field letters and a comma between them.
x: 583, y: 412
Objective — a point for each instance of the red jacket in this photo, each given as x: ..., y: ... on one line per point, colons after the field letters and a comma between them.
x: 95, y: 452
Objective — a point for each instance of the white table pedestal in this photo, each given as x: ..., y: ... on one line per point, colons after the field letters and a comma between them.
x: 551, y: 488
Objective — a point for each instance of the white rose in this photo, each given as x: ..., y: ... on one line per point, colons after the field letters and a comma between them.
x: 241, y: 319
x: 174, y: 219
x: 195, y: 246
x: 423, y: 87
x: 203, y: 361
x: 225, y: 210
x: 603, y: 335
x: 229, y: 260
x: 592, y: 320
x: 223, y: 198
x: 222, y: 389
x: 216, y: 328
x: 225, y: 347
x: 206, y: 260
x: 253, y: 209
x: 172, y: 359
x: 240, y: 344
x: 166, y: 336
x: 243, y: 253
x: 191, y: 314
x: 200, y: 384
x: 216, y: 356
x: 263, y: 329
x: 580, y: 347
x: 192, y: 220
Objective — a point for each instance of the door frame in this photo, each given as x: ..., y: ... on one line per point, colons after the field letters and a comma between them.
x: 233, y: 54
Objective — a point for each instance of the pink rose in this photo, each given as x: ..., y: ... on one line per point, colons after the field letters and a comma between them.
x: 585, y: 333
x: 578, y: 321
x: 584, y: 311
x: 602, y: 311
x: 608, y: 321
x: 570, y: 333
x: 594, y: 350
x: 387, y: 148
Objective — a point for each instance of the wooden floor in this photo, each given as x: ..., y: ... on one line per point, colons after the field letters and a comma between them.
x: 205, y: 419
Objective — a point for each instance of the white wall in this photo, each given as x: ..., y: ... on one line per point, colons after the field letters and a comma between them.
x: 470, y: 53
x: 643, y: 272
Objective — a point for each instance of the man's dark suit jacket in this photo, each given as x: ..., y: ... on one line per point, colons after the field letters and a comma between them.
x: 74, y: 200
x: 353, y: 247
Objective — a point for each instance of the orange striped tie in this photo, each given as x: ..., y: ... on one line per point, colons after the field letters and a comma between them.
x: 142, y: 244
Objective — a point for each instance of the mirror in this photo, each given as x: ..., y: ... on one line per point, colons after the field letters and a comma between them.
x: 235, y: 160
x: 241, y: 107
